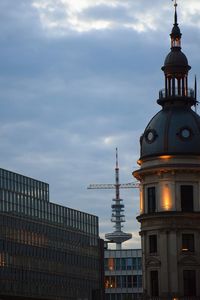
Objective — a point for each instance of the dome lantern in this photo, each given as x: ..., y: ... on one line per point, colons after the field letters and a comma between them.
x: 176, y: 70
x: 176, y: 33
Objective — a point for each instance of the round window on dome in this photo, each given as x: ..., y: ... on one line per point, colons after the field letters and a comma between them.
x: 185, y: 133
x: 150, y: 135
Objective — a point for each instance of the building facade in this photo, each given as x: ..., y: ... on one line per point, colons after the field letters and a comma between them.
x: 47, y: 251
x: 123, y: 274
x: 170, y: 185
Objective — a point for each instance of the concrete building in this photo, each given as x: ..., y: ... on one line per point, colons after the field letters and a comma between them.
x: 47, y: 251
x: 170, y: 185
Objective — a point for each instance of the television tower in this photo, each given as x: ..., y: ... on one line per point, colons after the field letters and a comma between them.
x: 118, y: 236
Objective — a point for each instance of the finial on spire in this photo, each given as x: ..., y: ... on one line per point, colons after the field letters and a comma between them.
x: 175, y: 3
x: 175, y: 15
x: 116, y: 158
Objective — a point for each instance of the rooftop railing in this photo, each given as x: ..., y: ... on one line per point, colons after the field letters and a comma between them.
x: 176, y: 93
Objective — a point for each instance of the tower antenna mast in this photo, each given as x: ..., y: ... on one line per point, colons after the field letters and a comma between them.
x: 118, y: 236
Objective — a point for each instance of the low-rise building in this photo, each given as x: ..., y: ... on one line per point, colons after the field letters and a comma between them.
x: 123, y: 274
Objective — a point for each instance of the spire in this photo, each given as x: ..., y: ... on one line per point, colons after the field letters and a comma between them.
x: 175, y: 14
x: 176, y: 33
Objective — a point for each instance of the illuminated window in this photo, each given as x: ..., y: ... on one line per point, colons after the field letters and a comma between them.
x: 107, y: 282
x: 110, y: 282
x: 151, y: 197
x: 188, y: 242
x: 141, y: 201
x: 166, y: 198
x: 2, y: 260
x: 187, y: 198
x: 111, y: 264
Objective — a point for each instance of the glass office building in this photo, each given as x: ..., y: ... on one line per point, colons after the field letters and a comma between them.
x: 123, y: 274
x: 47, y: 251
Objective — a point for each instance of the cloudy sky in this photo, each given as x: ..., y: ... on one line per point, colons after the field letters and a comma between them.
x: 79, y: 78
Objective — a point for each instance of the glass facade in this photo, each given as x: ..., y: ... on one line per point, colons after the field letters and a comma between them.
x: 123, y: 274
x: 46, y: 250
x: 123, y: 263
x: 123, y: 281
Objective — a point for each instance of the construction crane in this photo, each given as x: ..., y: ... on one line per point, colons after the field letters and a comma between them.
x: 105, y: 186
x: 118, y: 217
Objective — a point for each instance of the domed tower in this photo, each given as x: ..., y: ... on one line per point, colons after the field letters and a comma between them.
x: 170, y: 185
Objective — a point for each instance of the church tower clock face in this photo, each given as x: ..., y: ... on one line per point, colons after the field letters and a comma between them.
x: 169, y: 176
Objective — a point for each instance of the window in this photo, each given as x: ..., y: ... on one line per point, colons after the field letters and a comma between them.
x: 124, y: 281
x: 129, y: 263
x: 107, y: 282
x: 135, y: 281
x: 188, y: 242
x: 112, y: 282
x: 151, y: 197
x: 123, y: 263
x: 106, y: 264
x: 139, y: 281
x: 117, y: 261
x: 153, y: 244
x: 111, y: 264
x: 129, y: 281
x: 112, y: 296
x: 134, y: 263
x: 154, y: 283
x: 189, y: 282
x: 187, y: 198
x: 118, y: 281
x: 139, y: 263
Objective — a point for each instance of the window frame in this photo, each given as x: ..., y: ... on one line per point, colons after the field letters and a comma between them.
x: 188, y: 242
x: 151, y: 199
x: 154, y: 289
x: 153, y: 243
x: 189, y: 287
x: 187, y: 206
